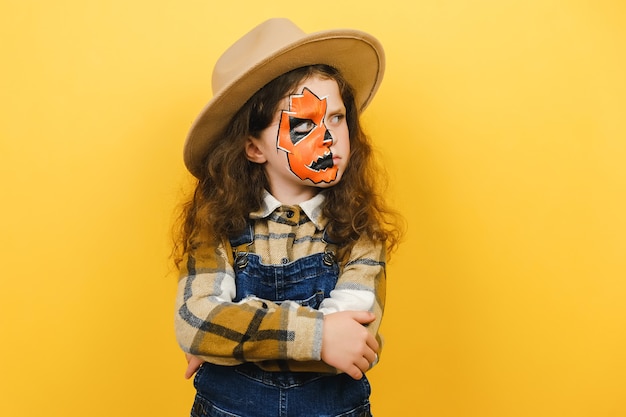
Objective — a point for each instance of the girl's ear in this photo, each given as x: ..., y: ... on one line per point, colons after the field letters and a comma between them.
x: 253, y: 152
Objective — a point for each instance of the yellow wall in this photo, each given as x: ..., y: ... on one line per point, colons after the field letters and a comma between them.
x: 504, y: 127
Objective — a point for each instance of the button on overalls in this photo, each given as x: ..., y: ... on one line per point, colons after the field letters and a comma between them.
x: 248, y: 391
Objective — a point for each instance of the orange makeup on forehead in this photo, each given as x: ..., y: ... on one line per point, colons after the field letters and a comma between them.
x: 308, y: 106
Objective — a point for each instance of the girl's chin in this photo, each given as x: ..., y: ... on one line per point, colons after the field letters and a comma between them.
x: 325, y: 184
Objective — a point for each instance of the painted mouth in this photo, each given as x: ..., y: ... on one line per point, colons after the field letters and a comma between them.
x: 324, y: 162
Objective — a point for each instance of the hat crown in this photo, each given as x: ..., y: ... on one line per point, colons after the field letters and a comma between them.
x: 253, y: 49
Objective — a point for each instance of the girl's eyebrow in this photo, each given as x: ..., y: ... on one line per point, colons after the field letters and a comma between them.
x: 337, y: 109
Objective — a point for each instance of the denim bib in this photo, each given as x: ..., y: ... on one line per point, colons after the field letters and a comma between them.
x: 306, y: 281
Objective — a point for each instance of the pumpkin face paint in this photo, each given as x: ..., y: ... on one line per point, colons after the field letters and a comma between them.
x: 303, y: 135
x: 307, y: 145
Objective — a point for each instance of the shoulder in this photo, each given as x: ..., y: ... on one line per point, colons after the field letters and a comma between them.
x: 209, y: 251
x: 365, y: 249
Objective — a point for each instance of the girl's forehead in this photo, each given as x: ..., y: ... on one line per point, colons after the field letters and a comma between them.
x: 323, y: 88
x: 317, y: 82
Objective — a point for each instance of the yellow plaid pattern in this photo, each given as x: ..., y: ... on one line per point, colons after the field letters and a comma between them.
x: 276, y: 337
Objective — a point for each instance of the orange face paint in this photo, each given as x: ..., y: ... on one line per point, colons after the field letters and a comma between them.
x: 306, y: 140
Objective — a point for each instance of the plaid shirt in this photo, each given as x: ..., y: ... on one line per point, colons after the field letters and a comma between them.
x: 276, y: 337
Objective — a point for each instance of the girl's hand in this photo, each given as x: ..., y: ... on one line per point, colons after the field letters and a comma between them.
x: 346, y: 343
x: 193, y: 364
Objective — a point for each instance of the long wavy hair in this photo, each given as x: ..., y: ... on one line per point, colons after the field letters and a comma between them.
x: 230, y: 186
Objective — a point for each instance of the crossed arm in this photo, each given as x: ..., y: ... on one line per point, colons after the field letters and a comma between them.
x: 342, y: 334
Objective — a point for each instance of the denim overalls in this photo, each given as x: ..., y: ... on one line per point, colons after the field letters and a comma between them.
x: 248, y: 391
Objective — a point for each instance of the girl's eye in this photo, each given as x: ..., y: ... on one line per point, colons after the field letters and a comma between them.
x: 304, y: 127
x: 299, y: 128
x: 337, y: 118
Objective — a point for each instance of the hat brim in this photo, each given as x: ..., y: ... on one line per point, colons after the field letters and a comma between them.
x: 358, y: 56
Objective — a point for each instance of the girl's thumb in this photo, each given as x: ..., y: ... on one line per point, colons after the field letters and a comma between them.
x: 363, y: 317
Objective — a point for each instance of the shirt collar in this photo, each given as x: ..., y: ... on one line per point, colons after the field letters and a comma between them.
x: 312, y: 208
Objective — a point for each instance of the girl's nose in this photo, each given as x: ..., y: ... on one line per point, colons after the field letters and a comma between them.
x: 328, y: 138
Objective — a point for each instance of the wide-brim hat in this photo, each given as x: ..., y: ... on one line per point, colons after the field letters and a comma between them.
x: 271, y: 49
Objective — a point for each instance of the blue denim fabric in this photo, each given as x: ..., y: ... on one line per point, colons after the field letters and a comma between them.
x: 306, y: 281
x: 248, y: 391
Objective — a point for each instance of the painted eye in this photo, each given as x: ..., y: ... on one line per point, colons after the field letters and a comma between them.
x: 300, y: 128
x: 301, y: 125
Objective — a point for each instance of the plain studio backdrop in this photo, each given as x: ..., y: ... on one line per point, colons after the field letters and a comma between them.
x: 502, y: 125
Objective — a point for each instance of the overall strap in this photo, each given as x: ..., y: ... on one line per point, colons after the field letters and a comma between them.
x: 245, y: 238
x: 330, y: 253
x: 240, y: 245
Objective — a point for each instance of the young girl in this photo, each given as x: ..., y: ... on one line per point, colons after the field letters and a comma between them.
x: 283, y: 243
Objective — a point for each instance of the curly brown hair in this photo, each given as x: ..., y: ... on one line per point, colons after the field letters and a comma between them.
x: 230, y: 186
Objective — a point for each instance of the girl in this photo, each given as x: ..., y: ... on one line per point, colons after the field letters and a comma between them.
x: 283, y: 243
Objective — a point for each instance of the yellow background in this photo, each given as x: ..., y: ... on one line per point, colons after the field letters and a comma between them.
x: 503, y: 124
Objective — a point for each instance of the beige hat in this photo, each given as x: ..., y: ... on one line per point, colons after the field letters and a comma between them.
x: 269, y: 50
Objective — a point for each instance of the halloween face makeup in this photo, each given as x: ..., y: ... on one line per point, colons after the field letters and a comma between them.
x: 303, y: 135
x: 307, y: 147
